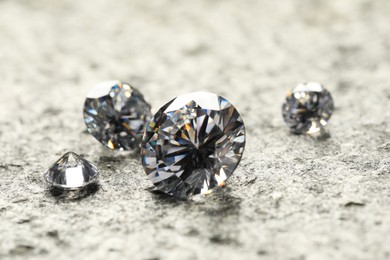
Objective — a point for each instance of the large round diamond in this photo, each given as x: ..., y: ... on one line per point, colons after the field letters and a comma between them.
x: 115, y: 114
x: 193, y: 144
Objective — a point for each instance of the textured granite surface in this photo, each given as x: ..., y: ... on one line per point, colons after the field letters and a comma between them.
x: 293, y: 197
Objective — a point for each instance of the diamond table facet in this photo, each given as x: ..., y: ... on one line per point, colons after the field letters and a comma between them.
x: 193, y: 144
x: 71, y: 171
x: 115, y: 114
x: 308, y: 108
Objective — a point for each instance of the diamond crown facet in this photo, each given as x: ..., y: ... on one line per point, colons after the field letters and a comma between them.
x: 193, y: 144
x: 71, y: 171
x: 308, y: 108
x: 115, y: 114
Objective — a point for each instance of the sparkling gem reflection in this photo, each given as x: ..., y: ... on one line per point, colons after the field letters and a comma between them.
x: 193, y: 144
x: 71, y: 171
x: 115, y: 114
x: 308, y: 108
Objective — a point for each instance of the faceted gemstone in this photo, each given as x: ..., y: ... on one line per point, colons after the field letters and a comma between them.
x: 308, y: 108
x: 71, y: 171
x: 193, y: 144
x: 115, y: 114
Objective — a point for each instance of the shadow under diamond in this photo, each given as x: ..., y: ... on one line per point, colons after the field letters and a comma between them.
x: 73, y: 195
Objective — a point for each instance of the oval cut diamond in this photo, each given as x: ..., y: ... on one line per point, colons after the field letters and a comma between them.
x: 193, y: 144
x: 115, y: 114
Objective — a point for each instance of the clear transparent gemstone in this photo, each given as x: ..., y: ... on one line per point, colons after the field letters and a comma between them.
x: 308, y: 108
x: 193, y: 144
x: 71, y: 171
x: 115, y: 114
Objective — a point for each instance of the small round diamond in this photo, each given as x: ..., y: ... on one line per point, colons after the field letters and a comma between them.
x: 193, y: 144
x: 71, y: 171
x: 115, y: 114
x: 308, y: 108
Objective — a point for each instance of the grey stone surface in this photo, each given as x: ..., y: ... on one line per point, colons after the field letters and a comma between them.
x: 293, y: 197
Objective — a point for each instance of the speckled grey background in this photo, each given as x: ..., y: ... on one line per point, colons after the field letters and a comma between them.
x: 293, y: 197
